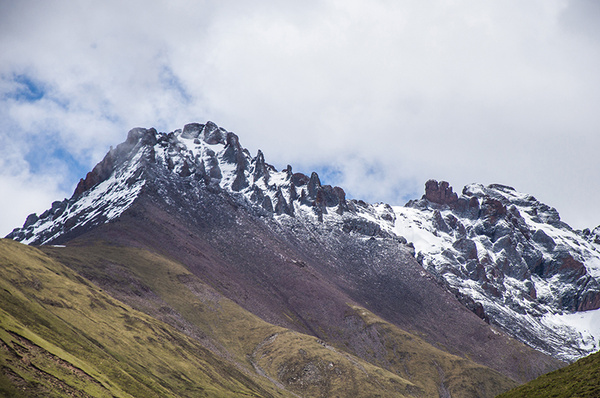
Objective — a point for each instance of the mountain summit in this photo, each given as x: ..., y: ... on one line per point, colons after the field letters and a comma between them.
x: 433, y: 291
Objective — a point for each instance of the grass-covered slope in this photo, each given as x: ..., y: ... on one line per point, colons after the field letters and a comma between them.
x: 390, y: 362
x: 62, y: 336
x: 289, y: 360
x: 580, y: 379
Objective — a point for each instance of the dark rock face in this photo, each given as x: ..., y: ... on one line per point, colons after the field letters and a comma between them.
x: 300, y: 179
x: 212, y: 164
x: 466, y: 247
x: 145, y: 137
x: 31, y: 219
x: 592, y: 236
x: 192, y: 130
x: 439, y: 223
x: 281, y: 205
x: 260, y: 168
x: 590, y: 300
x: 314, y: 184
x: 363, y: 227
x: 543, y: 239
x: 212, y: 134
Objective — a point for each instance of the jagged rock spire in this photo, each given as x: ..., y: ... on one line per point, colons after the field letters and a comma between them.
x: 260, y: 168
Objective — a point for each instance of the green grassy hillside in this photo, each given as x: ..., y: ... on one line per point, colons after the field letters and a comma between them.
x: 413, y: 358
x: 148, y: 327
x: 397, y: 362
x: 62, y: 336
x: 581, y: 380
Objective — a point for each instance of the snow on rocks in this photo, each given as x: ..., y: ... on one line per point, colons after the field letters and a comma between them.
x: 102, y: 203
x: 204, y: 154
x: 512, y: 260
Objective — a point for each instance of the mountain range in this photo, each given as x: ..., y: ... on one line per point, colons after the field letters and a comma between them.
x: 185, y: 248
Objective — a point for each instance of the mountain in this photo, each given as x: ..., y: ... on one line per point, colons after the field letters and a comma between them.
x: 511, y: 259
x: 279, y: 275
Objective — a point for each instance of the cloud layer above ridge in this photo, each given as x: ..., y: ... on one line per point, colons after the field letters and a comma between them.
x: 377, y: 96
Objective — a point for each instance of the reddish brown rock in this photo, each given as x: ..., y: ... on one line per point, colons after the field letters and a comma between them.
x: 590, y: 301
x: 440, y: 193
x: 572, y: 267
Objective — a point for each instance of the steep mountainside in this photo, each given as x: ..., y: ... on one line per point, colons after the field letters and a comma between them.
x: 297, y: 362
x: 280, y: 245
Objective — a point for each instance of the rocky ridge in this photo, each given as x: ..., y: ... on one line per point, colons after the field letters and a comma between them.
x: 201, y: 153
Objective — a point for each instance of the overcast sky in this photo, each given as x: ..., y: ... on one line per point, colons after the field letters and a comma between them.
x: 377, y: 96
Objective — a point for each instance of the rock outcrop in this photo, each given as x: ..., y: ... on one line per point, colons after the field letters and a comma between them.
x: 440, y: 193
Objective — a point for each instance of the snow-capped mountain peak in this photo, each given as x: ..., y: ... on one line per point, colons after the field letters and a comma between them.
x: 203, y: 154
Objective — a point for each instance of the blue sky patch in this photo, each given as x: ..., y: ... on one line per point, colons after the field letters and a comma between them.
x: 47, y: 153
x: 28, y: 89
x: 172, y: 82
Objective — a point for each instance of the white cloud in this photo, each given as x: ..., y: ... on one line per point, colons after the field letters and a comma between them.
x: 24, y: 192
x: 467, y: 91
